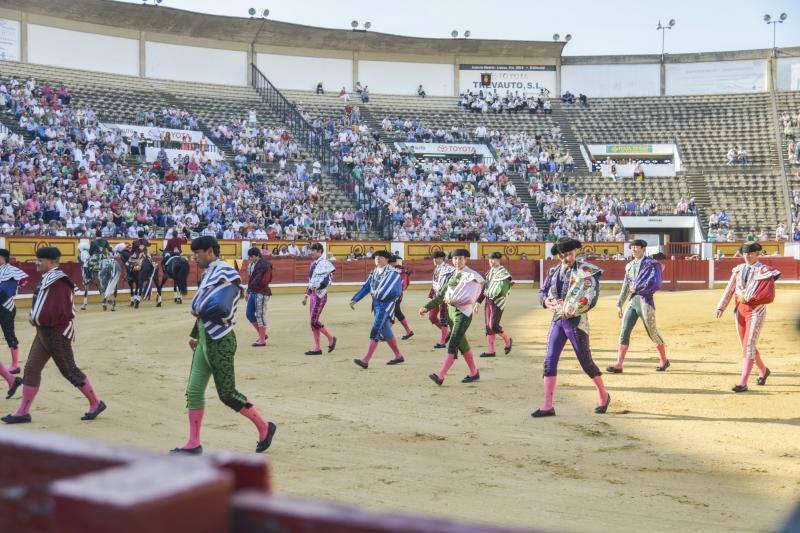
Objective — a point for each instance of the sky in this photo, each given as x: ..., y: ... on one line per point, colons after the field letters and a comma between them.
x: 597, y: 27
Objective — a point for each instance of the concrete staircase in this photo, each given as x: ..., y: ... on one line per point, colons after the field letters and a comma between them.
x: 524, y: 194
x: 698, y: 189
x: 569, y: 141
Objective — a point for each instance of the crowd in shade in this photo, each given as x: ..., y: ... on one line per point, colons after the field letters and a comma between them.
x: 510, y: 102
x: 72, y: 179
x: 585, y: 217
x: 168, y: 117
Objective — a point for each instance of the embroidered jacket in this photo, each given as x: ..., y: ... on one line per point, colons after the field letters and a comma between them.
x: 462, y: 290
x: 260, y: 276
x: 578, y: 287
x: 52, y: 303
x: 320, y: 276
x: 645, y: 278
x: 753, y: 286
x: 498, y: 283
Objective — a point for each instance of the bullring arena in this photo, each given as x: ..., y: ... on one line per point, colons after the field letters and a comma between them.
x: 137, y: 136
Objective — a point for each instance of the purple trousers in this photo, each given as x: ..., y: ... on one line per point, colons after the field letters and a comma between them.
x: 561, y: 330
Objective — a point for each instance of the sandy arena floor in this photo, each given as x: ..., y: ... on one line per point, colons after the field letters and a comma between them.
x: 677, y: 451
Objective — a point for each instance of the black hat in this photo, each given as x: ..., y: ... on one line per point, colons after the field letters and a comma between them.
x: 383, y: 253
x: 495, y: 255
x: 554, y: 250
x: 439, y: 254
x: 750, y: 247
x: 639, y: 242
x: 567, y: 244
x: 5, y: 253
x: 48, y: 252
x: 460, y: 252
x: 204, y: 243
x: 253, y: 252
x: 392, y: 258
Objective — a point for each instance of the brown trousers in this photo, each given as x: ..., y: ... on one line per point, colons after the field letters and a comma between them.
x: 48, y: 343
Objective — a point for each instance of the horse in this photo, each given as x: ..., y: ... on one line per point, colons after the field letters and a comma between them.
x: 175, y: 267
x: 105, y: 278
x: 141, y: 279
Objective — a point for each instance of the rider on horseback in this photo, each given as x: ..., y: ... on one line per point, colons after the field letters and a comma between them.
x: 175, y: 242
x: 99, y: 249
x: 139, y: 252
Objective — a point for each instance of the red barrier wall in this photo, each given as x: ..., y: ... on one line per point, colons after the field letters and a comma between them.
x: 789, y: 267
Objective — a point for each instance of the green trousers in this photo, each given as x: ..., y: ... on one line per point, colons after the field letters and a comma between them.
x: 214, y: 358
x: 638, y: 308
x: 459, y: 324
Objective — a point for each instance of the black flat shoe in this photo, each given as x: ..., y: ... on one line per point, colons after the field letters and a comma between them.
x: 12, y: 390
x: 15, y: 371
x: 11, y: 419
x: 258, y: 345
x: 439, y: 345
x: 187, y: 451
x: 470, y: 379
x: 601, y: 409
x: 762, y: 380
x: 262, y: 445
x: 360, y: 363
x: 332, y: 345
x: 613, y: 370
x: 395, y: 361
x: 541, y: 414
x: 314, y: 352
x: 93, y: 414
x: 436, y: 379
x: 739, y: 388
x: 406, y: 337
x: 488, y: 354
x: 507, y: 349
x: 663, y: 368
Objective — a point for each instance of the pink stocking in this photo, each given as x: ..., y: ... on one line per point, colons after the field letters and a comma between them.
x: 405, y: 325
x: 327, y: 334
x: 262, y: 334
x: 505, y: 338
x: 28, y: 394
x: 747, y: 367
x: 195, y: 423
x: 491, y: 338
x: 470, y: 360
x: 448, y: 362
x: 88, y: 391
x: 255, y: 325
x: 445, y: 332
x: 601, y: 389
x: 549, y: 390
x: 373, y: 345
x: 14, y: 358
x: 395, y: 348
x: 662, y: 354
x: 6, y: 375
x: 623, y: 349
x: 316, y: 340
x: 255, y: 417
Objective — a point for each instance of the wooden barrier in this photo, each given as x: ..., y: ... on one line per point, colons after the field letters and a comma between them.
x: 789, y: 267
x: 513, y: 250
x: 23, y: 249
x: 424, y: 250
x: 52, y: 483
x: 730, y: 249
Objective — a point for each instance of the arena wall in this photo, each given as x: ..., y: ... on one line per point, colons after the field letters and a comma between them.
x: 397, y: 77
x: 303, y: 73
x: 712, y: 77
x: 612, y: 80
x: 80, y: 50
x: 192, y: 63
x: 788, y: 73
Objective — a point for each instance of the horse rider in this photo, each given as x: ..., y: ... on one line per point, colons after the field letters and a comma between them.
x: 175, y: 242
x: 139, y: 251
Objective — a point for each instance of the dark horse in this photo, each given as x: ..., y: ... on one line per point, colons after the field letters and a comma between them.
x: 141, y: 280
x: 177, y: 268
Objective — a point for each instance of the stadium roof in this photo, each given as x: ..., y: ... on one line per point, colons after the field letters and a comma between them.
x: 173, y: 21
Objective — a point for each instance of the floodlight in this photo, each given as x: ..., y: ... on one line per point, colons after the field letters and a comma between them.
x: 568, y: 37
x: 251, y: 11
x: 265, y: 14
x: 367, y: 25
x: 783, y: 16
x: 354, y: 24
x: 454, y: 34
x: 767, y: 18
x: 467, y: 34
x: 671, y: 22
x: 556, y: 36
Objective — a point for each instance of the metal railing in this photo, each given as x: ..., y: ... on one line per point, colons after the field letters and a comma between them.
x: 315, y: 144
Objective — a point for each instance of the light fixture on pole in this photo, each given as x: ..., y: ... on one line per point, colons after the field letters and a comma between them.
x: 354, y: 25
x: 663, y: 30
x: 768, y: 19
x: 567, y: 37
x: 454, y: 34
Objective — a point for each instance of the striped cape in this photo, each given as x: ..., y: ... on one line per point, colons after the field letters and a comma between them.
x: 498, y: 281
x: 220, y: 281
x: 10, y: 277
